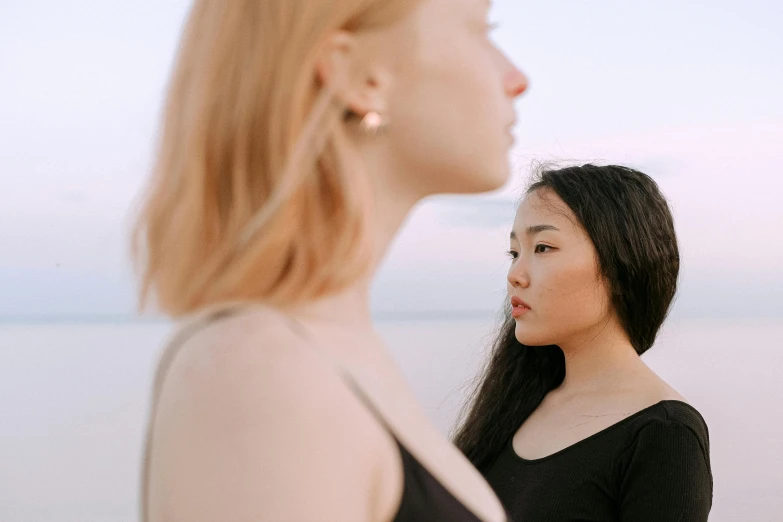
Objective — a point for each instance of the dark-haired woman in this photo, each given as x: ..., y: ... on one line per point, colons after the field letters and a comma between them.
x: 568, y: 423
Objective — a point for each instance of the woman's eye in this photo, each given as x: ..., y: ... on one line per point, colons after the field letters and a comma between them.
x: 541, y: 249
x: 512, y: 254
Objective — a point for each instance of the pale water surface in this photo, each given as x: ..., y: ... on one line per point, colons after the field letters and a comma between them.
x: 74, y: 397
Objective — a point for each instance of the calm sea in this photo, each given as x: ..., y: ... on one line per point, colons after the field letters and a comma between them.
x: 73, y: 402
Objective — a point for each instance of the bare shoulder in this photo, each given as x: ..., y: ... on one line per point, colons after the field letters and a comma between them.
x: 657, y: 390
x: 251, y: 421
x: 259, y: 337
x: 242, y: 355
x: 633, y: 392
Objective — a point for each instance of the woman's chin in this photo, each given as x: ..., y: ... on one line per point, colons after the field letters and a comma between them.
x: 528, y: 338
x: 490, y: 176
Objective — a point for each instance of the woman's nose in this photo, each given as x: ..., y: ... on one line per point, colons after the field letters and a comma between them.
x: 518, y: 276
x: 515, y: 83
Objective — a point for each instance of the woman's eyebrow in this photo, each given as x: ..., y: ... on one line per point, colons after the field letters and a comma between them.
x: 535, y: 229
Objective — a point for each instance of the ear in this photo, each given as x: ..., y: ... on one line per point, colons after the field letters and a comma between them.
x: 344, y: 65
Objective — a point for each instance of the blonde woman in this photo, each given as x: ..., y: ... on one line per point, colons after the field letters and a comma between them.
x: 297, y: 136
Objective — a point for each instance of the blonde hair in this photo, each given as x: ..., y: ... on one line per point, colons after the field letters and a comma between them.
x: 253, y: 195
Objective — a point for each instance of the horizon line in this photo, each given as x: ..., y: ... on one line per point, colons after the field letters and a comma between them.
x: 381, y: 315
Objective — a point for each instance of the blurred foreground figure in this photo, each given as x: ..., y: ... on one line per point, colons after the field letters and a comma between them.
x: 297, y: 136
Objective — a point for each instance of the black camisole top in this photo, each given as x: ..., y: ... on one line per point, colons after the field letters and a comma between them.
x: 424, y: 499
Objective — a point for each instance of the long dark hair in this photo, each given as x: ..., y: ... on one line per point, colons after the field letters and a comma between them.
x: 631, y: 227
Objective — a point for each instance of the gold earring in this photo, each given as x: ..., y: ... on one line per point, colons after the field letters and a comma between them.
x: 373, y: 123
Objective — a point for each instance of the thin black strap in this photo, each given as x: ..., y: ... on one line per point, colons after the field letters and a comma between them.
x: 190, y: 328
x: 345, y: 375
x: 172, y: 348
x: 209, y: 317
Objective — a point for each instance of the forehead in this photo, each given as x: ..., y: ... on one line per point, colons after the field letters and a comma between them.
x: 544, y: 207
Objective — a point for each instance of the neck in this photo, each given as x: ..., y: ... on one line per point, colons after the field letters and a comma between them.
x: 349, y: 309
x: 598, y: 360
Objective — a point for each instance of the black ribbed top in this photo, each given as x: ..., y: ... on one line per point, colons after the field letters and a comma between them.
x: 652, y: 466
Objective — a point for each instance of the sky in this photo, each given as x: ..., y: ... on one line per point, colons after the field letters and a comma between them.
x: 688, y: 92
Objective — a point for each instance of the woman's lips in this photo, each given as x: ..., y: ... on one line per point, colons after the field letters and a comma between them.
x: 518, y: 307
